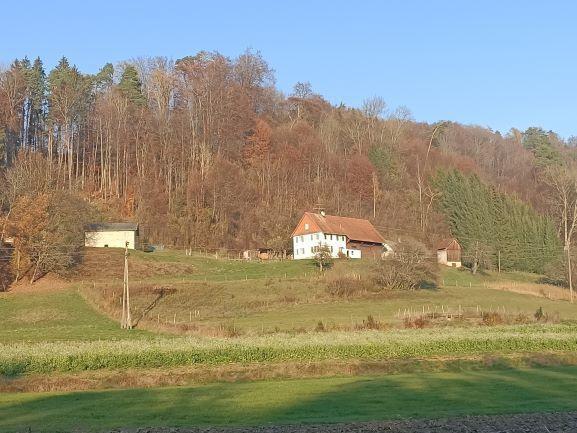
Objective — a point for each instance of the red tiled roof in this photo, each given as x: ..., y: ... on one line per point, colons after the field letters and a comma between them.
x: 355, y: 229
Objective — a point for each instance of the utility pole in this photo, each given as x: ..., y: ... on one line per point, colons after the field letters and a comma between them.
x: 126, y: 322
x: 499, y: 260
x: 569, y: 270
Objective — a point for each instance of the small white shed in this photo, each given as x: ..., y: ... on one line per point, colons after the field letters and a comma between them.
x: 111, y: 235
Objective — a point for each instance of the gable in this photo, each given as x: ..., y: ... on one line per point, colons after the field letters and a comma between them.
x: 355, y: 229
x: 448, y: 244
x: 306, y: 225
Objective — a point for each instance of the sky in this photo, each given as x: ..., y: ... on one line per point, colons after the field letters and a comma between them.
x: 499, y: 64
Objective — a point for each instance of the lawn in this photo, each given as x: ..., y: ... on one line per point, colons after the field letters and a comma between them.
x: 324, y: 400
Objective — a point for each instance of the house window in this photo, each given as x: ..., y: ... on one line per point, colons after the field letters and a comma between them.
x: 317, y: 236
x: 302, y: 239
x: 312, y: 249
x: 311, y: 237
x: 306, y: 226
x: 296, y: 240
x: 330, y: 237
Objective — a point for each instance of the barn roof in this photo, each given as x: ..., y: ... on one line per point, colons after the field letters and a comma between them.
x: 355, y: 229
x: 111, y: 227
x: 446, y: 244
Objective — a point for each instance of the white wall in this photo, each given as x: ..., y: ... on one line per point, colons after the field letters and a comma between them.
x: 115, y: 239
x: 442, y: 259
x: 303, y: 245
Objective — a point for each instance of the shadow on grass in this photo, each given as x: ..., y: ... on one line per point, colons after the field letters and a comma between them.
x: 429, y: 395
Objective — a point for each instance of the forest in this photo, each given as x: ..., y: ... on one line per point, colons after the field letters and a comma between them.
x: 206, y: 152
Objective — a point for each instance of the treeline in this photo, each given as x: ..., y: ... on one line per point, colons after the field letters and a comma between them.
x: 495, y: 229
x: 205, y: 151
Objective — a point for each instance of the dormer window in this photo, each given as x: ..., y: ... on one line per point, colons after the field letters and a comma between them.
x: 306, y: 226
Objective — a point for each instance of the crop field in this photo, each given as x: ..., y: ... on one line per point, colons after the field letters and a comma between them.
x: 18, y: 359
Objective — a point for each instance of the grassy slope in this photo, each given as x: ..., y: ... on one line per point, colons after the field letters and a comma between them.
x: 49, y: 316
x: 430, y: 395
x: 253, y: 304
x: 211, y: 269
x: 257, y: 297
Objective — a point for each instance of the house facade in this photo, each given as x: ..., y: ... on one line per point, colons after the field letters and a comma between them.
x: 111, y: 235
x: 345, y: 237
x: 449, y: 253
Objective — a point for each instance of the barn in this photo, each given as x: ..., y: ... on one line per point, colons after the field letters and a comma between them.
x: 111, y: 235
x: 449, y: 253
x: 345, y: 237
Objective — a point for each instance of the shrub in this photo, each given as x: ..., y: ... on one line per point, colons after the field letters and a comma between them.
x: 492, y: 318
x: 539, y: 314
x: 416, y: 323
x: 320, y: 327
x: 370, y: 323
x: 347, y: 285
x: 411, y: 267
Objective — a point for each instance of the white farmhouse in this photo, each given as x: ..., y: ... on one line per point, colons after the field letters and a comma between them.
x: 111, y: 235
x: 345, y: 237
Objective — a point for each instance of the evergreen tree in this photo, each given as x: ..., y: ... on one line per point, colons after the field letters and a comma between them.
x: 131, y: 86
x: 489, y: 224
x: 537, y: 141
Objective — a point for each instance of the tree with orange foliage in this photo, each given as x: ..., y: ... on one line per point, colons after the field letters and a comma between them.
x: 257, y: 145
x: 48, y: 232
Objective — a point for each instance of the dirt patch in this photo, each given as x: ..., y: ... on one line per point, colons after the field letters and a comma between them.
x: 104, y: 264
x: 47, y: 284
x: 520, y: 423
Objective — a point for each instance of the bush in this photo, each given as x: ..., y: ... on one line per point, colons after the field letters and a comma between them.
x: 347, y: 285
x: 492, y: 319
x: 539, y: 314
x: 411, y: 267
x: 416, y: 323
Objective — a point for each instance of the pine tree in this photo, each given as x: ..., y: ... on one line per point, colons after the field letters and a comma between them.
x: 492, y: 225
x: 131, y: 86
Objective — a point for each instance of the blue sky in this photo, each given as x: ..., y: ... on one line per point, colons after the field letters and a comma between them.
x: 500, y: 64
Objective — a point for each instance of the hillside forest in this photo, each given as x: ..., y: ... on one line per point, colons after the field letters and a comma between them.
x: 205, y: 152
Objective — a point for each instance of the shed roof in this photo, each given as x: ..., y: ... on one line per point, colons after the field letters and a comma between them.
x: 111, y: 227
x: 355, y: 229
x: 447, y: 244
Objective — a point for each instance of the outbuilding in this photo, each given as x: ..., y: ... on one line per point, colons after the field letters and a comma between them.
x: 449, y: 253
x: 111, y: 235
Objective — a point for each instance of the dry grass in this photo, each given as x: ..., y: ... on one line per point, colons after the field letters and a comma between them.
x: 190, y: 375
x: 546, y: 291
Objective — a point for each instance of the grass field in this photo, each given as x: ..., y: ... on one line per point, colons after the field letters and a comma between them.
x: 274, y: 310
x: 256, y: 297
x: 429, y: 395
x: 52, y: 316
